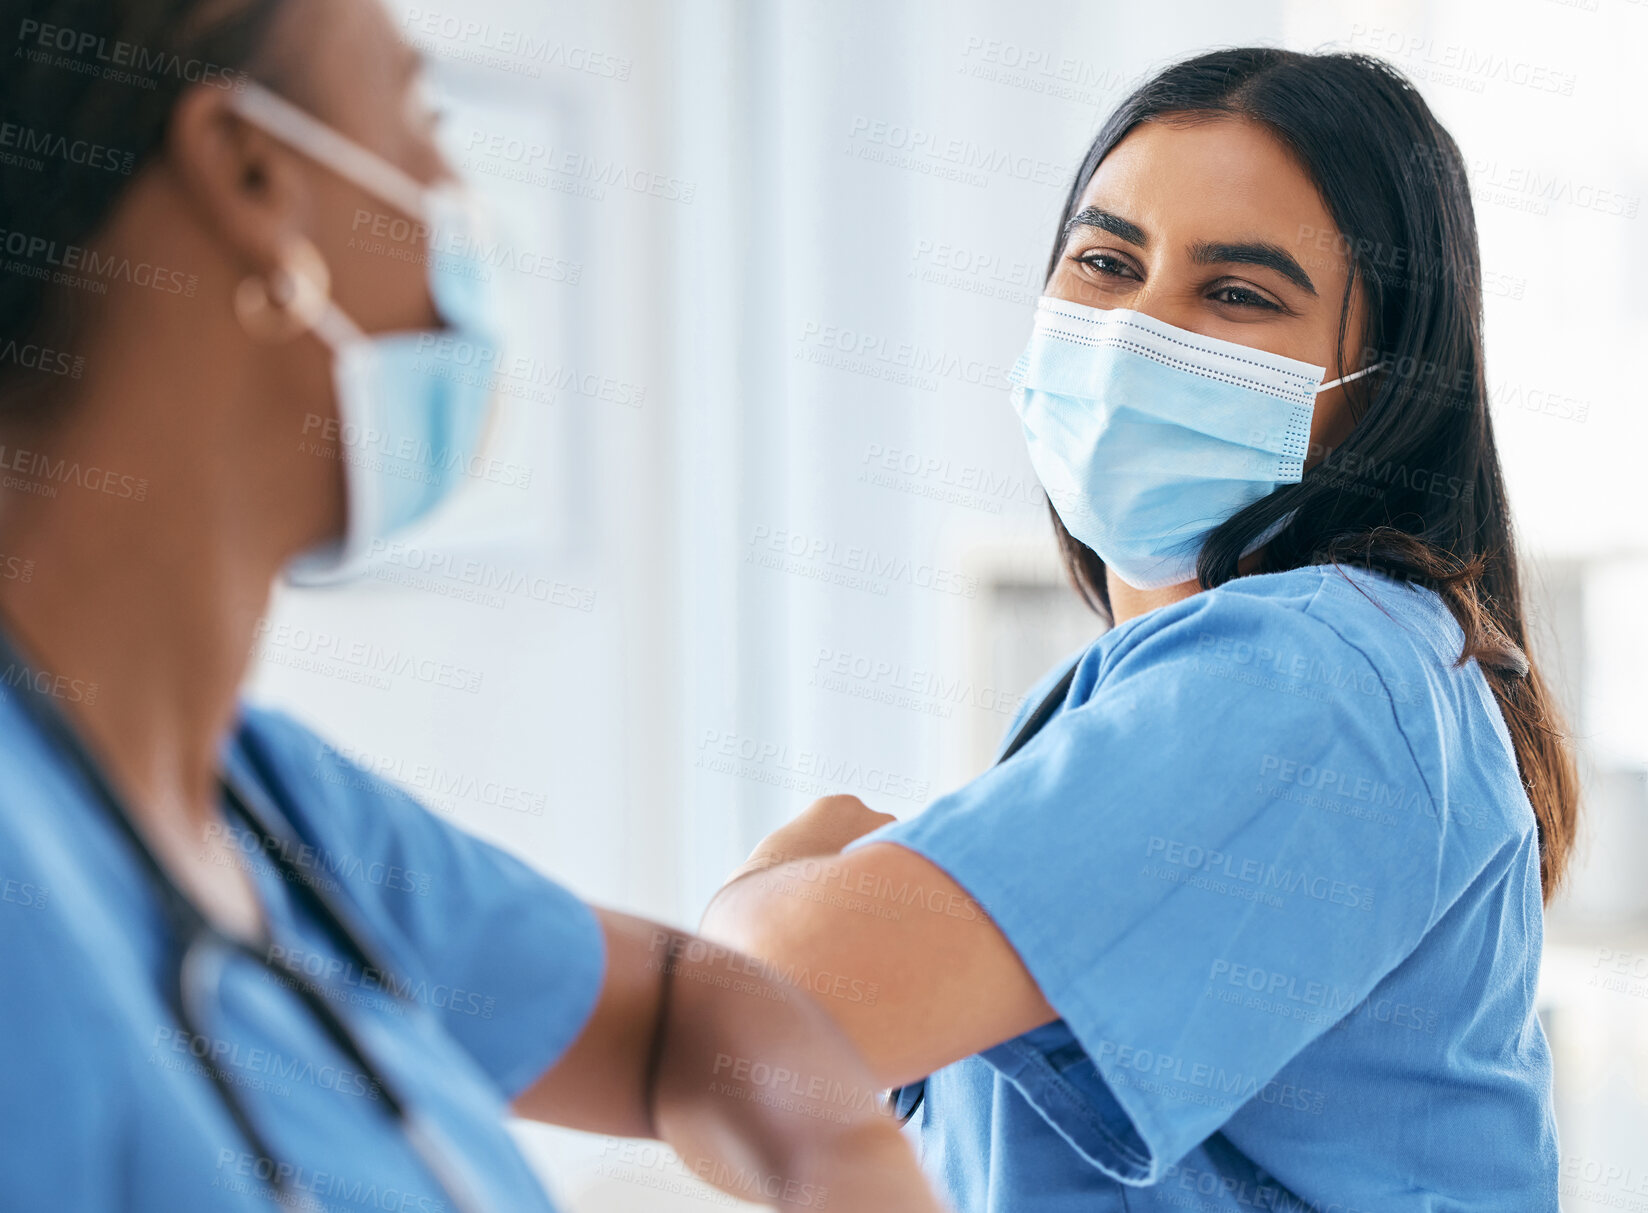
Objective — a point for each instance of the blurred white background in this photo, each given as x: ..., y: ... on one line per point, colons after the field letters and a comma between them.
x: 778, y: 501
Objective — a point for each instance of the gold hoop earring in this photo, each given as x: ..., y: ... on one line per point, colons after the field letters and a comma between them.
x: 287, y: 301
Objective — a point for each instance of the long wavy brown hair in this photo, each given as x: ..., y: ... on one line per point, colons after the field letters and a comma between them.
x: 1415, y: 492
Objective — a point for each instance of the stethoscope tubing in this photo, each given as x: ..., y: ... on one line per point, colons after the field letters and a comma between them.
x: 196, y: 937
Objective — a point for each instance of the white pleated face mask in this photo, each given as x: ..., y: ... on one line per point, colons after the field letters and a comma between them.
x: 1147, y: 436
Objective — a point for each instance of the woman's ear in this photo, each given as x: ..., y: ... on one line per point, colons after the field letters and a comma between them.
x: 244, y: 186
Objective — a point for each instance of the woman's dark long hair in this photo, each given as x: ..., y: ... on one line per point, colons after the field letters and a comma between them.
x: 1415, y: 491
x: 86, y: 97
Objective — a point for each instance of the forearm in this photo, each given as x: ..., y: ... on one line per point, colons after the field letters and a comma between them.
x: 762, y: 1095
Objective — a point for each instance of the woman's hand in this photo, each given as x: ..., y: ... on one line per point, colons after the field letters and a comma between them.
x: 827, y: 826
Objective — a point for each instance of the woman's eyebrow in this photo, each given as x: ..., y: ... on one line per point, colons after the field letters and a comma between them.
x: 1204, y: 252
x: 1270, y: 256
x: 1092, y: 216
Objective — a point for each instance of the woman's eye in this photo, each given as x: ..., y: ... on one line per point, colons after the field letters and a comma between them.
x: 1242, y: 297
x: 1105, y: 264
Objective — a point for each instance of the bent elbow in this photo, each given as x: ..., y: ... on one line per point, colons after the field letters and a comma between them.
x: 747, y: 915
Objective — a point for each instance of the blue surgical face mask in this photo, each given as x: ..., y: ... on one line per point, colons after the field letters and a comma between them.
x: 413, y: 408
x: 1147, y: 437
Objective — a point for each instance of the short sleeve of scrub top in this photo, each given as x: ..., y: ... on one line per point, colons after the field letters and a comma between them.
x: 514, y: 961
x: 1187, y: 816
x: 490, y: 972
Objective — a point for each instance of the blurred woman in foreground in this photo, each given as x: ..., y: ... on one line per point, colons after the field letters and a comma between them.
x: 231, y: 316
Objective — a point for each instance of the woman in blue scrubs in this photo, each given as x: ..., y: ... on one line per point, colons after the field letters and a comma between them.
x: 1248, y: 915
x: 239, y: 970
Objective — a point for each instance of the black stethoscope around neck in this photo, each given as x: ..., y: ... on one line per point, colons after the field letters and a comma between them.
x: 202, y: 949
x: 905, y: 1101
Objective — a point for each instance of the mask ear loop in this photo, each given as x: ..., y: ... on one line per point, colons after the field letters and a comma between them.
x: 303, y: 132
x: 301, y: 289
x: 309, y: 136
x: 1351, y: 378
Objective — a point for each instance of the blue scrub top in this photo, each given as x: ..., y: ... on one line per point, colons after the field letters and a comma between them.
x: 106, y: 1104
x: 1273, y: 866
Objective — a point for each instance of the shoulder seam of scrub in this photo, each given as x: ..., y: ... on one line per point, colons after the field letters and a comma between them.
x: 1309, y: 611
x: 1396, y: 718
x: 1306, y: 611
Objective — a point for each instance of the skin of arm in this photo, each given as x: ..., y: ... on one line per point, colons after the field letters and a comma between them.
x: 1140, y: 238
x: 947, y: 982
x: 747, y: 1078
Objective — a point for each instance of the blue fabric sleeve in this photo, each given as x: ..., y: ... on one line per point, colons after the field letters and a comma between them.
x: 1188, y: 865
x: 513, y: 962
